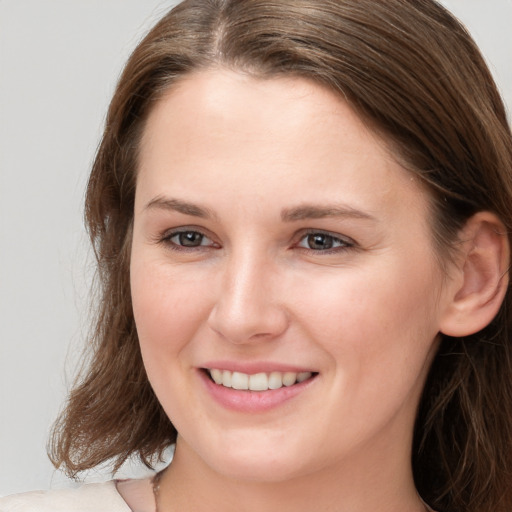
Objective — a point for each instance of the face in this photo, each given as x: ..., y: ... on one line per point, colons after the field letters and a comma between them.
x: 278, y: 246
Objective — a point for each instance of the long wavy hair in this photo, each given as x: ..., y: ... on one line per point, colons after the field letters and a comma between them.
x: 410, y: 70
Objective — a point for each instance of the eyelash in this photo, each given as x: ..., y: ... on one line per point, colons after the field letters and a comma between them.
x: 345, y: 243
x: 168, y: 236
x: 340, y: 244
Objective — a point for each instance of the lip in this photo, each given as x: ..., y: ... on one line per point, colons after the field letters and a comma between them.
x: 255, y: 367
x: 253, y: 401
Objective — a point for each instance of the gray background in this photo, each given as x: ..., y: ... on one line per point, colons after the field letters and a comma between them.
x: 59, y: 61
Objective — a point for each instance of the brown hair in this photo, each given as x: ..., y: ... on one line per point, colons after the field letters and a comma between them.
x: 412, y: 71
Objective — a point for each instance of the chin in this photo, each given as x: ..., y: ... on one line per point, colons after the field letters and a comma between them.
x: 247, y: 458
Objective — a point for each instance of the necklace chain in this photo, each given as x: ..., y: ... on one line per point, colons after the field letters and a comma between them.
x: 156, y: 490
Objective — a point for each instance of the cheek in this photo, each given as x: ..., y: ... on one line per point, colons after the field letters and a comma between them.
x: 382, y: 316
x: 167, y: 310
x: 167, y: 314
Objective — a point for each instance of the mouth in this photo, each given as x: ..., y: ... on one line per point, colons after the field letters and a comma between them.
x: 262, y: 381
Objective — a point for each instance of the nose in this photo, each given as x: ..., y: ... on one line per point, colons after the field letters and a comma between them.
x: 247, y: 307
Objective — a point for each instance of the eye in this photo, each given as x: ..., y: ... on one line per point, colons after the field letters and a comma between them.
x: 319, y: 241
x: 188, y: 239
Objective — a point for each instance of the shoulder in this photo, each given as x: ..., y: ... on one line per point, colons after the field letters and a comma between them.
x: 87, y: 498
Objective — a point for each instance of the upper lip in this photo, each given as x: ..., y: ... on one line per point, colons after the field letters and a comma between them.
x: 252, y: 368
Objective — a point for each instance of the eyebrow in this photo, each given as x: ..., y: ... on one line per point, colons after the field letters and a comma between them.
x: 311, y: 211
x: 302, y: 212
x: 180, y: 206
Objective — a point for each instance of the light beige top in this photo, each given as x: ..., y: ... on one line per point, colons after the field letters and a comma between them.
x: 120, y: 496
x: 126, y: 496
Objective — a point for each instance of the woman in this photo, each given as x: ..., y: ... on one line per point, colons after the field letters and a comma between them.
x: 301, y: 213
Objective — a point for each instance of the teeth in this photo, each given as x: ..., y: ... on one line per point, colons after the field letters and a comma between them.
x: 216, y: 376
x: 303, y: 376
x: 275, y: 380
x: 240, y: 381
x: 257, y: 381
x: 226, y: 378
x: 289, y: 378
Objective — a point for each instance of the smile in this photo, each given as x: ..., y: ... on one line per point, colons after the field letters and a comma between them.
x: 258, y: 381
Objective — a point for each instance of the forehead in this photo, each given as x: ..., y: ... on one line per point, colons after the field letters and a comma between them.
x: 220, y: 132
x: 242, y: 104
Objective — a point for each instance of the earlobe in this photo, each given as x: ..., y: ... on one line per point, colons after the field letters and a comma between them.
x: 483, y: 269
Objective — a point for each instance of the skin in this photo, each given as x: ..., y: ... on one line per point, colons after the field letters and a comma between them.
x: 269, y: 162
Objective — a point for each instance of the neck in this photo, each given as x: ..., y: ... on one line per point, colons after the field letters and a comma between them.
x: 383, y: 482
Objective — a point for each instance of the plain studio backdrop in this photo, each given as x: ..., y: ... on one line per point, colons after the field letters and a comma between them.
x: 59, y: 62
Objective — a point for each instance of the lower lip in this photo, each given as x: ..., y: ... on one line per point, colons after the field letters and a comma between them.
x: 253, y: 401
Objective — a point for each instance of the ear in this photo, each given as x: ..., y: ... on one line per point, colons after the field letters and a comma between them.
x: 481, y: 276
